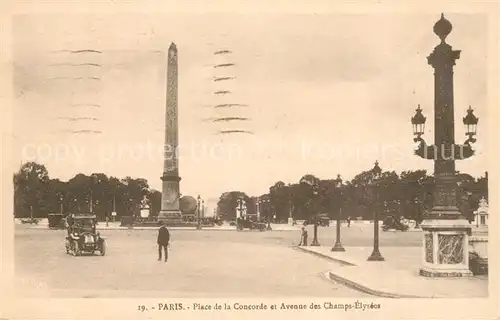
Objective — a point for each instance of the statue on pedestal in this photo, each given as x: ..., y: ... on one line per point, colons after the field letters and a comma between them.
x: 145, y: 207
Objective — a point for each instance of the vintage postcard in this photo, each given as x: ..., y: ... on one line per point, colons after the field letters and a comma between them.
x: 229, y: 159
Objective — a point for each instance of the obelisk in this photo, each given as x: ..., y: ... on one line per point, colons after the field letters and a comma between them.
x: 170, y: 211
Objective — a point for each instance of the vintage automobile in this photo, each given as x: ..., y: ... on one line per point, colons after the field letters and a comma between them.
x: 322, y: 219
x: 394, y: 223
x: 218, y: 222
x: 29, y: 221
x: 249, y: 224
x: 82, y: 236
x: 56, y: 221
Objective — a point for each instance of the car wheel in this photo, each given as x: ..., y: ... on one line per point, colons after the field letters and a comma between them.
x: 103, y: 248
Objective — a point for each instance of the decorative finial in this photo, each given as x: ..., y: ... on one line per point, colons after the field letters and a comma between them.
x: 442, y: 28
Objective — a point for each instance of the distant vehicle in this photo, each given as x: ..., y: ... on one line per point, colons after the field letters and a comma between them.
x: 249, y: 224
x: 82, y: 235
x: 56, y: 221
x: 322, y: 219
x: 29, y: 221
x: 392, y: 222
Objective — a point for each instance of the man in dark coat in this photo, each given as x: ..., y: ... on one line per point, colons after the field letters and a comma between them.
x: 163, y: 241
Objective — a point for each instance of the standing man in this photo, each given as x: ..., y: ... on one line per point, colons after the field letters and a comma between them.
x: 303, y: 237
x: 349, y: 221
x: 163, y: 241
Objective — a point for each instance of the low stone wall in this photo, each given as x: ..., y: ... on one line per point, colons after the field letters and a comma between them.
x: 479, y: 245
x: 478, y: 254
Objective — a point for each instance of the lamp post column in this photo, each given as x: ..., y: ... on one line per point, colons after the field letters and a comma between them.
x: 315, y: 242
x: 113, y: 214
x: 61, y: 199
x: 338, y: 245
x: 376, y: 255
x: 258, y: 208
x: 198, y: 209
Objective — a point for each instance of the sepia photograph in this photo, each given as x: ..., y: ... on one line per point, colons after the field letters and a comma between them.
x: 338, y: 156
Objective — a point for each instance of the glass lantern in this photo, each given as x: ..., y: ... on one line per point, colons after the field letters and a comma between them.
x: 418, y: 122
x: 470, y: 122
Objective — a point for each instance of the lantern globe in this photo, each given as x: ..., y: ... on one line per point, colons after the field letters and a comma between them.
x: 418, y: 122
x: 470, y: 122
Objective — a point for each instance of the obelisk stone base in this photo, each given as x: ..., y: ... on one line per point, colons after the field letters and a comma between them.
x: 445, y: 248
x: 170, y: 217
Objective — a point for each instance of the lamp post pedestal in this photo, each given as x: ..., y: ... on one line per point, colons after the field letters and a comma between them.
x: 338, y: 245
x: 446, y: 248
x: 315, y: 242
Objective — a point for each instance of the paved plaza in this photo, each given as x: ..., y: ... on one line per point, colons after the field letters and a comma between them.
x: 202, y: 264
x: 221, y: 263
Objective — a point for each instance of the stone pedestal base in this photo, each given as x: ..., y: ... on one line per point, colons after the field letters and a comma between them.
x: 170, y: 217
x: 290, y: 221
x: 144, y: 213
x: 445, y: 248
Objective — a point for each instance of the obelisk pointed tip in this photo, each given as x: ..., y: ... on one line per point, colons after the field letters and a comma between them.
x: 172, y: 46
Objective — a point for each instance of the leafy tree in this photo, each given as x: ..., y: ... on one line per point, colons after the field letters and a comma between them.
x: 30, y: 184
x: 155, y: 199
x: 279, y: 197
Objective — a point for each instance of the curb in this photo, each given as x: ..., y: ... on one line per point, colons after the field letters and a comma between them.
x: 359, y: 287
x: 352, y: 284
x: 323, y: 256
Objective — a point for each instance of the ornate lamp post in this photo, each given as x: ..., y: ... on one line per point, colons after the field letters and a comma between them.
x: 91, y: 203
x: 315, y: 242
x: 61, y: 201
x: 257, y: 203
x: 290, y: 205
x: 338, y: 245
x: 203, y: 209
x: 198, y: 211
x: 445, y: 229
x: 113, y: 214
x: 375, y: 184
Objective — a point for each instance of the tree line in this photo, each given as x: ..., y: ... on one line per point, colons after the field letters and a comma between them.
x: 408, y: 194
x: 37, y: 195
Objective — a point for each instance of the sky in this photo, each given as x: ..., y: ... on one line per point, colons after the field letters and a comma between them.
x: 326, y: 94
